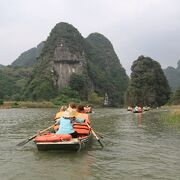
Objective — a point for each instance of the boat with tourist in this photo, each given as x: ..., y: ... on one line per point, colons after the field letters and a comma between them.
x: 71, y: 131
x: 137, y: 109
x: 52, y: 141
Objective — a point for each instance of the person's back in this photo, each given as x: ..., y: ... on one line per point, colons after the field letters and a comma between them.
x: 82, y: 115
x: 66, y: 122
x: 65, y: 126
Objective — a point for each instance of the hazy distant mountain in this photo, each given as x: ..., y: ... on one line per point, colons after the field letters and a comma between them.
x: 173, y: 76
x: 1, y: 66
x: 29, y: 57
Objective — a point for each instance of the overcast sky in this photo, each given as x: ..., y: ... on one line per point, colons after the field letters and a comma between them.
x: 134, y: 27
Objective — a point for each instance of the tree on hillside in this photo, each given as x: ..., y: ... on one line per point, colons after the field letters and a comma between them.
x: 148, y: 85
x: 176, y: 97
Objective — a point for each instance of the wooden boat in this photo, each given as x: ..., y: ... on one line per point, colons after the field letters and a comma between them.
x: 53, y: 141
x: 75, y: 144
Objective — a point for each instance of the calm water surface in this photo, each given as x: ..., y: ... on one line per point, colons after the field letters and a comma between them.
x: 137, y: 146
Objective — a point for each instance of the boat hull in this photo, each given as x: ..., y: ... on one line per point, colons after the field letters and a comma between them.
x: 73, y: 145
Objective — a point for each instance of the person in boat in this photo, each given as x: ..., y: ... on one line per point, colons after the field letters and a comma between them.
x: 87, y: 109
x: 60, y: 113
x: 72, y: 105
x: 82, y: 114
x: 66, y: 122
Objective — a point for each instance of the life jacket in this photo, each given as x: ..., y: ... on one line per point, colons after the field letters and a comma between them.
x: 81, y: 129
x: 139, y: 109
x: 53, y: 137
x: 84, y: 116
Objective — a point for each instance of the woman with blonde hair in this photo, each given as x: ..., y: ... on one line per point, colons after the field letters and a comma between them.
x: 60, y: 113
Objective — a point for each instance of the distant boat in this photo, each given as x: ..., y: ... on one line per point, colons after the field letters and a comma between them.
x: 129, y: 108
x: 146, y: 108
x: 137, y: 109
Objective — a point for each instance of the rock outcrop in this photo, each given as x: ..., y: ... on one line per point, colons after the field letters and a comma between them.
x: 65, y: 64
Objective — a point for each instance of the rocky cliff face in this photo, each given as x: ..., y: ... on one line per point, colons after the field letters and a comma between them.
x: 65, y: 64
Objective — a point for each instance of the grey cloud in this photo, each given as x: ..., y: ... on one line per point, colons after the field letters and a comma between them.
x: 135, y: 27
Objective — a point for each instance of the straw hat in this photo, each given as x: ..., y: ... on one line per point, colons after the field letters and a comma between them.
x: 70, y: 113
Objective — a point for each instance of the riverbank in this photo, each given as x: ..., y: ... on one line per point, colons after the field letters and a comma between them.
x: 27, y: 104
x: 35, y: 104
x: 173, y: 115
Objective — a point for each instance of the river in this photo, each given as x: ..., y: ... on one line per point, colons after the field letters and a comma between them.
x: 136, y: 146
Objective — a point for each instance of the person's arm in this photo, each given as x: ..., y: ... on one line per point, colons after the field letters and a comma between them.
x: 58, y: 121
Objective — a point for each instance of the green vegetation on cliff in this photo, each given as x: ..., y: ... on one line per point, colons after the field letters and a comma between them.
x: 175, y: 98
x: 12, y: 82
x: 148, y: 85
x: 28, y: 58
x: 105, y: 70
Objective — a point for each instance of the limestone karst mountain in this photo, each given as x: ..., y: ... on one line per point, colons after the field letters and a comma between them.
x: 148, y: 85
x: 66, y: 54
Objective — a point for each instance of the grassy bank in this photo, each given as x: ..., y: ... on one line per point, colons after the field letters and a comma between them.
x: 26, y: 104
x: 173, y: 115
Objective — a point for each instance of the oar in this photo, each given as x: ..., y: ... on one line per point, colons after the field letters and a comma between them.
x: 32, y: 137
x: 94, y: 134
x: 99, y: 134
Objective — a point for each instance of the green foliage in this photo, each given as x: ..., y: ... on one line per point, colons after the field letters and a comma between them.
x: 28, y: 58
x: 148, y: 85
x: 175, y: 99
x: 77, y: 82
x: 63, y: 33
x: 171, y: 119
x: 105, y: 70
x: 15, y: 105
x: 1, y: 101
x: 40, y: 88
x: 65, y: 96
x: 12, y: 81
x: 95, y: 99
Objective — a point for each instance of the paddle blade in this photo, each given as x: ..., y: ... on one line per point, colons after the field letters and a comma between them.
x: 100, y: 143
x: 23, y: 142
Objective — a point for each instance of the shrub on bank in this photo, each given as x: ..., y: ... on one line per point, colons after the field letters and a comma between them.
x: 1, y: 101
x: 27, y: 104
x: 173, y: 117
